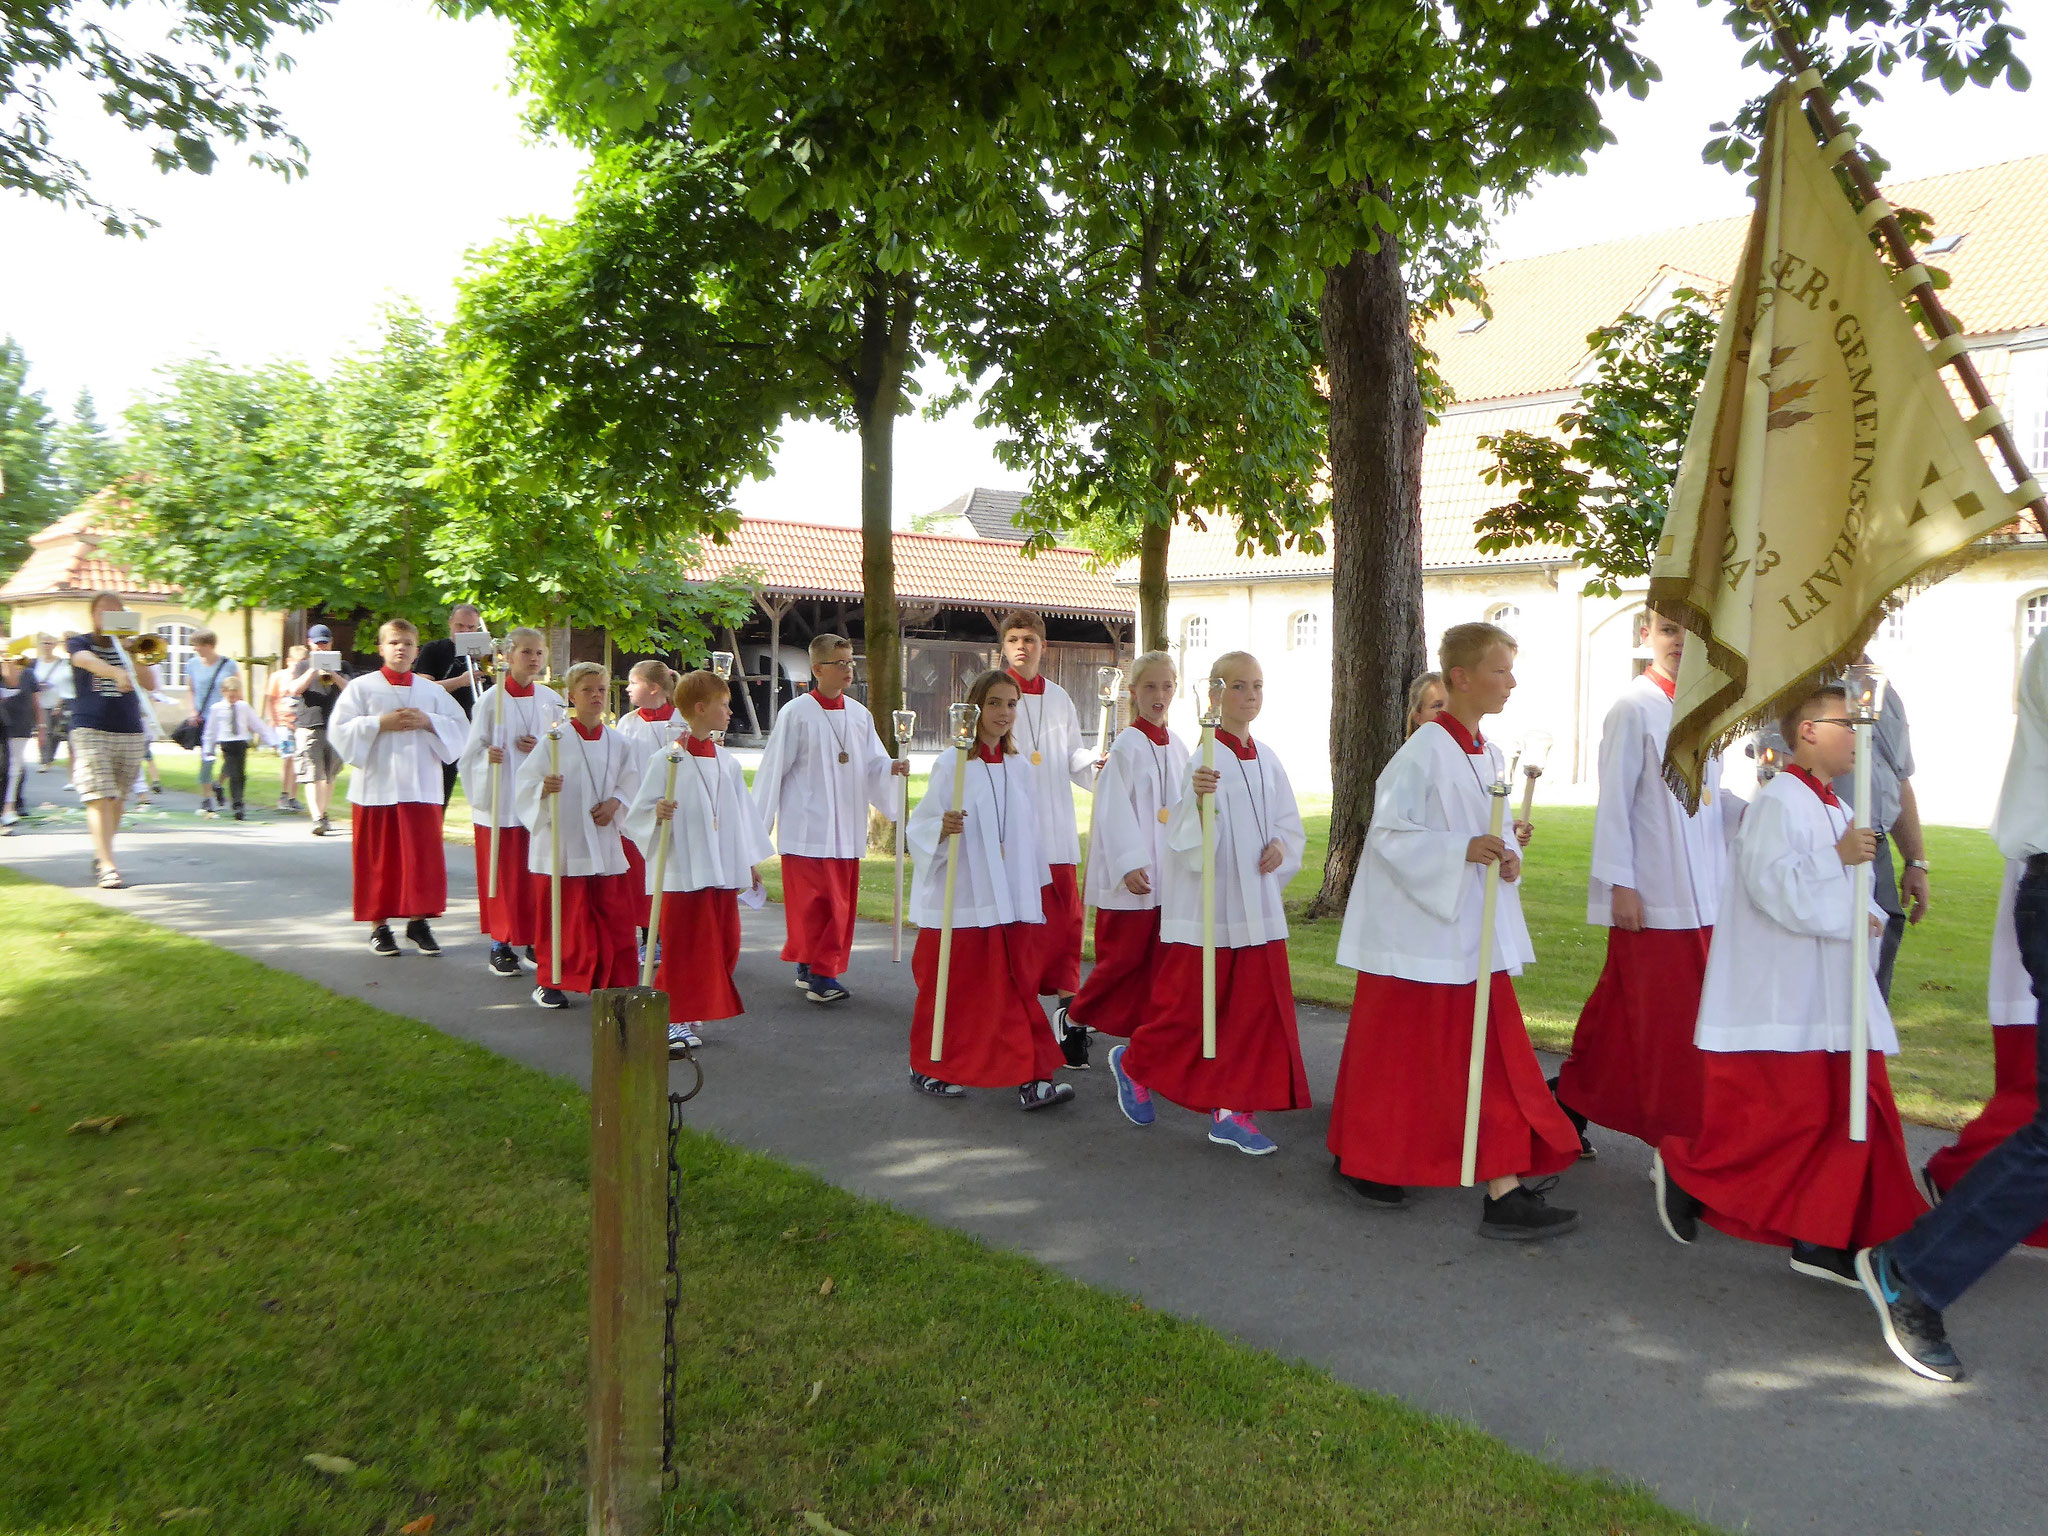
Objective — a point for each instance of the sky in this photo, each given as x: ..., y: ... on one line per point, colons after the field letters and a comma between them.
x: 419, y: 155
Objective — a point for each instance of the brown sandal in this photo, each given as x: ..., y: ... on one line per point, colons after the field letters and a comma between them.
x: 110, y: 879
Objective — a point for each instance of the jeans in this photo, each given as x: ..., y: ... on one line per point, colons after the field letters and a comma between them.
x: 2001, y: 1200
x: 1884, y: 890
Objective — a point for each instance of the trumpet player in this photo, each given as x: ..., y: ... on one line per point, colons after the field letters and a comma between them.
x: 107, y: 734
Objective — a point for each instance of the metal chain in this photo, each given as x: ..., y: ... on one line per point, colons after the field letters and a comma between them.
x: 672, y: 1282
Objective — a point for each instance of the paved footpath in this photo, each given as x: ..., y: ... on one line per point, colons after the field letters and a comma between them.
x: 1736, y: 1390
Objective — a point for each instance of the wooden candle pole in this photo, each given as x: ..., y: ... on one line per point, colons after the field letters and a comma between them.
x: 498, y: 741
x: 1211, y: 718
x: 664, y: 833
x: 966, y: 717
x: 905, y: 722
x: 555, y: 856
x: 1482, y: 994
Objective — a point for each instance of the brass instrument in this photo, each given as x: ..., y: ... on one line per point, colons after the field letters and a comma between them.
x: 149, y: 648
x: 21, y: 648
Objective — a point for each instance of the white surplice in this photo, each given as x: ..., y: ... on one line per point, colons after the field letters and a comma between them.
x: 1416, y: 900
x: 1779, y: 972
x: 1002, y: 866
x: 1642, y: 836
x: 2020, y: 824
x: 592, y: 773
x: 528, y: 716
x: 648, y: 737
x: 715, y: 836
x: 395, y: 767
x: 1254, y: 805
x: 1048, y: 725
x: 2011, y: 990
x: 815, y: 805
x: 1126, y: 831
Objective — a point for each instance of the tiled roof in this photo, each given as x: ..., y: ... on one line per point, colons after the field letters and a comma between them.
x: 1545, y: 306
x: 819, y: 560
x: 991, y: 514
x: 64, y: 558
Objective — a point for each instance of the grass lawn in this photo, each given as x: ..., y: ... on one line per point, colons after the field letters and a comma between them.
x: 324, y: 1230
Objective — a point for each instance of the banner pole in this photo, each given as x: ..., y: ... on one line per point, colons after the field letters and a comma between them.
x: 1859, y: 936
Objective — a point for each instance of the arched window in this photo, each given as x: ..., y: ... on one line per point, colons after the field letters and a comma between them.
x: 178, y: 639
x: 1304, y: 632
x: 1194, y: 632
x: 1503, y: 614
x: 2033, y: 618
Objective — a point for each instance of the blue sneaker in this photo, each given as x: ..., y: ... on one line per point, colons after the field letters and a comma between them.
x: 1239, y: 1131
x: 1134, y: 1101
x: 1912, y: 1329
x: 826, y: 989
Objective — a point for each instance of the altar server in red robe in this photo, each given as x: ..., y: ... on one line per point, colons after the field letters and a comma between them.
x: 996, y: 1033
x: 1139, y: 786
x: 1773, y: 1161
x: 504, y: 734
x: 1048, y: 736
x: 600, y: 775
x: 1259, y: 842
x: 1656, y: 882
x: 823, y: 767
x: 649, y: 724
x: 396, y: 736
x: 1411, y: 931
x: 715, y: 841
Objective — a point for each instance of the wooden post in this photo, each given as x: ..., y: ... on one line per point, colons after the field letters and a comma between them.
x: 747, y: 694
x: 628, y: 1256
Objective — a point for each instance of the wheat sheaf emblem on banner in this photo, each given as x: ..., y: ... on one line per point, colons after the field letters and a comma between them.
x: 1787, y: 393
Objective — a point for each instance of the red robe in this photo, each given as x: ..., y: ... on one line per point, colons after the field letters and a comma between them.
x: 820, y: 898
x: 997, y: 1035
x: 1114, y: 997
x: 1258, y: 1063
x: 398, y: 861
x: 700, y: 946
x: 597, y: 932
x: 1059, y: 936
x: 510, y: 917
x: 2014, y: 1100
x: 1633, y: 1066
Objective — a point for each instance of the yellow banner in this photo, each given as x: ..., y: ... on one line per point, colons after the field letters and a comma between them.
x: 1825, y: 467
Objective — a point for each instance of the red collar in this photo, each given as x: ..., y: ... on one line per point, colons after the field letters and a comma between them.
x: 837, y: 701
x: 984, y: 753
x: 1156, y: 734
x: 1470, y: 742
x: 1825, y: 791
x: 514, y: 689
x: 1667, y: 686
x: 1245, y: 750
x: 665, y: 712
x: 699, y: 748
x: 587, y: 732
x: 396, y: 679
x: 1026, y: 684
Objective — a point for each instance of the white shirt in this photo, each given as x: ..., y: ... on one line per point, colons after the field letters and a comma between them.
x: 715, y: 836
x: 1002, y: 868
x: 1779, y: 972
x: 650, y: 736
x: 2011, y: 990
x: 1127, y: 833
x: 2020, y: 824
x: 1642, y: 836
x: 817, y: 806
x: 395, y: 767
x: 1048, y: 725
x: 528, y: 716
x: 1254, y: 805
x: 1416, y: 900
x: 592, y: 773
x: 53, y: 679
x: 234, y: 721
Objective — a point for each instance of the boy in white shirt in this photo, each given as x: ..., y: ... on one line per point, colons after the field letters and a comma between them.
x: 396, y: 732
x: 1655, y: 886
x: 1411, y: 931
x: 504, y: 727
x: 1773, y: 1161
x: 823, y: 767
x: 230, y: 726
x: 1259, y: 842
x: 600, y: 774
x: 716, y: 842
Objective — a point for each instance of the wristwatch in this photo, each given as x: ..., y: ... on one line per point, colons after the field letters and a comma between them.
x: 1916, y: 864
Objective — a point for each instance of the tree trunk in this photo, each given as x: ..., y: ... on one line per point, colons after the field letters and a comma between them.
x: 887, y: 312
x: 1152, y: 545
x: 1377, y: 642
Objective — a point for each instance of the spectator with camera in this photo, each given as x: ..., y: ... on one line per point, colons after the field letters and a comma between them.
x: 316, y: 686
x: 447, y: 663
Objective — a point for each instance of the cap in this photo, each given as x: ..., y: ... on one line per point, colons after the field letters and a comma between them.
x: 320, y: 634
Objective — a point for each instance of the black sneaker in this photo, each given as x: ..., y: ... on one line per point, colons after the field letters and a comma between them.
x: 528, y: 959
x: 1522, y: 1215
x: 503, y: 961
x: 1074, y: 1038
x: 1043, y: 1094
x: 238, y: 814
x: 422, y: 937
x: 937, y: 1087
x: 1381, y: 1197
x: 550, y: 997
x: 1822, y: 1263
x: 1676, y: 1210
x: 382, y: 943
x: 1587, y: 1151
x: 1912, y: 1329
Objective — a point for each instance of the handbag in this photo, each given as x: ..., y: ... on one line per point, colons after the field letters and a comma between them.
x: 189, y: 734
